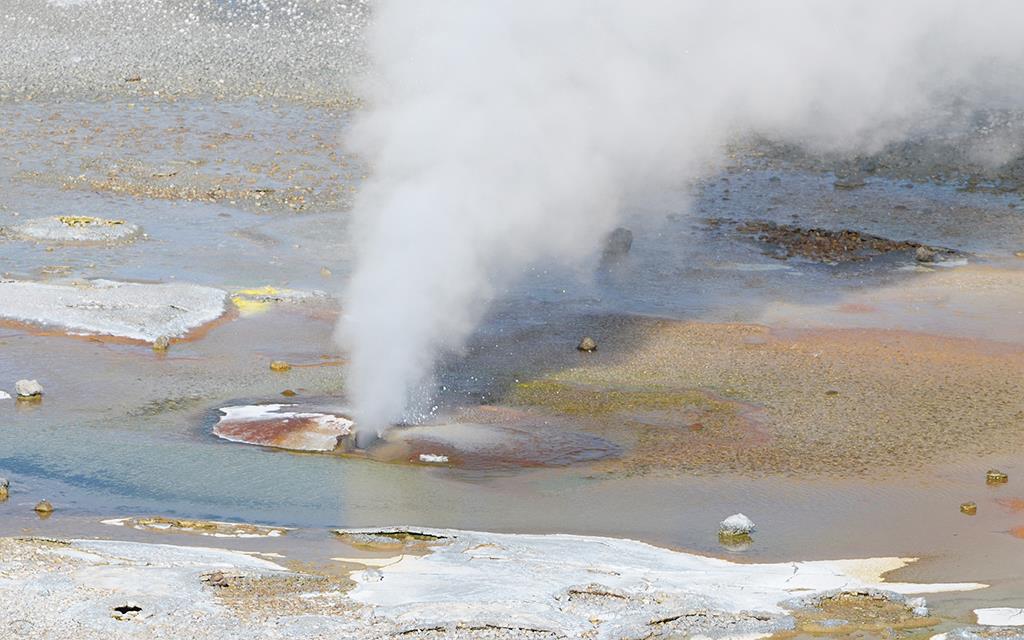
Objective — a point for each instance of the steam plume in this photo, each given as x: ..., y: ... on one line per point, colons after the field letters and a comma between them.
x: 508, y: 132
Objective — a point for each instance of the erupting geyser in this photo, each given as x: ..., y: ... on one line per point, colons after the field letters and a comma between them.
x: 506, y: 133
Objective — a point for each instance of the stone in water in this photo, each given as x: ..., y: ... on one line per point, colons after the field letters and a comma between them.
x: 28, y: 389
x: 969, y: 508
x: 736, y: 525
x: 587, y: 344
x: 994, y: 476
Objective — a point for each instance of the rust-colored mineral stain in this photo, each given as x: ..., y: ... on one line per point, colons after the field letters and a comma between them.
x: 1017, y: 532
x: 1013, y: 505
x: 291, y: 430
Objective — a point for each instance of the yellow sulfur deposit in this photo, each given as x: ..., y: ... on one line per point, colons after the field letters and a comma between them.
x: 85, y: 221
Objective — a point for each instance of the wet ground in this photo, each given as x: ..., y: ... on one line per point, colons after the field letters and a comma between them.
x: 848, y: 407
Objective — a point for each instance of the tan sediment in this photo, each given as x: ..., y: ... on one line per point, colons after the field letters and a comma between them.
x: 828, y: 401
x: 854, y: 615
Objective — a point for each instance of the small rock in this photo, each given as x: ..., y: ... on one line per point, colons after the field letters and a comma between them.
x: 280, y: 365
x: 5, y: 489
x: 618, y: 243
x: 969, y: 508
x: 587, y: 344
x: 736, y: 525
x: 995, y: 476
x: 28, y: 389
x: 924, y: 254
x: 44, y: 507
x: 217, y: 579
x: 1019, y: 254
x: 4, y: 395
x: 161, y: 343
x: 430, y: 457
x: 325, y: 272
x: 288, y: 393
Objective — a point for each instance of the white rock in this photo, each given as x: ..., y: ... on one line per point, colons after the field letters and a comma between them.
x: 4, y: 395
x: 28, y: 388
x: 127, y: 309
x: 736, y: 525
x: 430, y: 457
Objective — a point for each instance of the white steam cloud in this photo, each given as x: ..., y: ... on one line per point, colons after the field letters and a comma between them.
x: 507, y: 132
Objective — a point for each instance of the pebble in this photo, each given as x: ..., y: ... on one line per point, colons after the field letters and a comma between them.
x: 44, y: 507
x: 587, y: 344
x: 5, y: 489
x: 924, y: 254
x: 280, y: 365
x: 969, y: 508
x: 161, y: 343
x: 28, y: 389
x: 4, y: 395
x: 430, y: 457
x: 736, y: 525
x: 995, y: 476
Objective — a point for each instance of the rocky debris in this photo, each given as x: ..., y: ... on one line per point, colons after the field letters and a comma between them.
x: 736, y: 525
x: 969, y: 508
x: 202, y: 527
x: 126, y: 611
x: 833, y: 246
x: 217, y: 579
x: 433, y: 458
x: 617, y: 244
x: 161, y: 343
x: 77, y: 229
x: 279, y: 425
x: 5, y: 489
x: 995, y: 476
x: 587, y: 344
x: 280, y: 366
x: 138, y: 311
x: 28, y: 389
x: 4, y: 395
x: 43, y: 507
